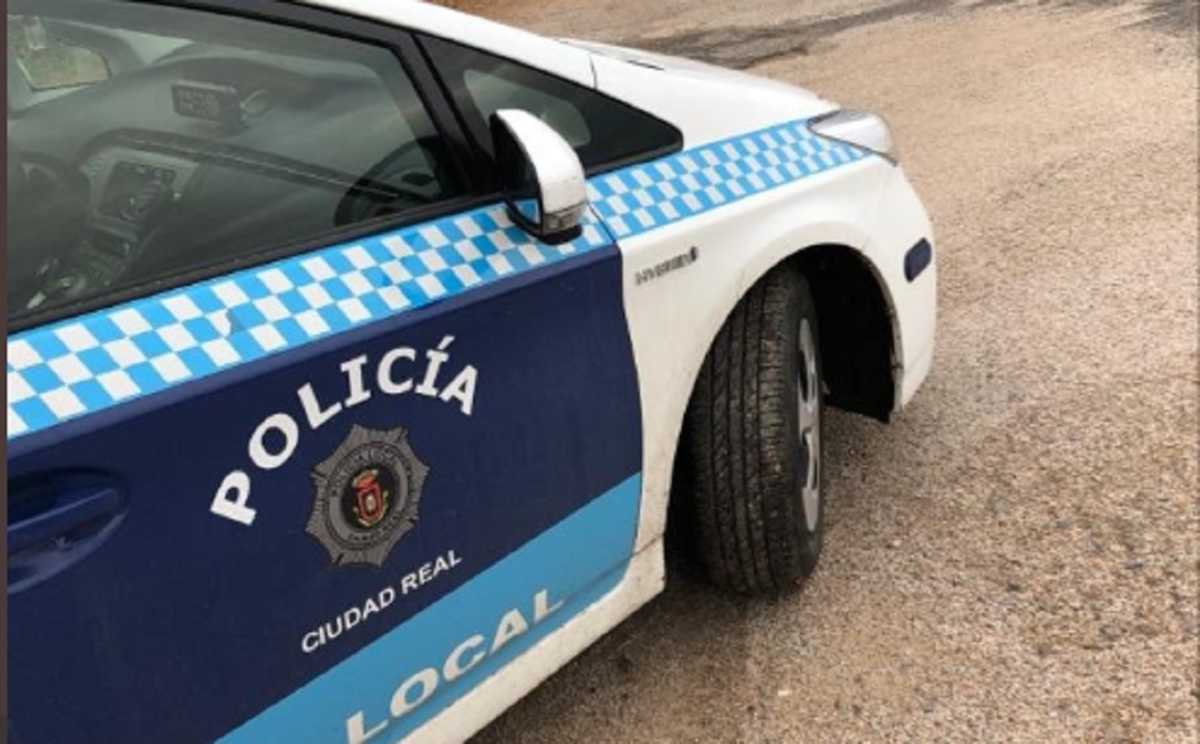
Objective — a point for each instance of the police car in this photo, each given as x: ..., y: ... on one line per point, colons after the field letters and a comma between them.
x: 357, y: 349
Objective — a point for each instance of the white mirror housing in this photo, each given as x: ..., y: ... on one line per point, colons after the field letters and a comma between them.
x: 540, y: 176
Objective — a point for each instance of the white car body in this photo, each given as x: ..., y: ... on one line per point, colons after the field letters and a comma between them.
x: 869, y: 206
x: 681, y: 281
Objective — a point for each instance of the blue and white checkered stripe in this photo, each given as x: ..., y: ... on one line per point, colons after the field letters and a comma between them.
x: 87, y: 364
x: 65, y: 370
x: 644, y: 197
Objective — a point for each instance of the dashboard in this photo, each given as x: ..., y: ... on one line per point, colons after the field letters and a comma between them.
x: 127, y: 191
x: 128, y: 187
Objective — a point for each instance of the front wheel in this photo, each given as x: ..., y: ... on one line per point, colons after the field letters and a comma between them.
x: 754, y: 441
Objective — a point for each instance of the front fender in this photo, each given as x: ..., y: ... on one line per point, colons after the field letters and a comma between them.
x: 674, y: 318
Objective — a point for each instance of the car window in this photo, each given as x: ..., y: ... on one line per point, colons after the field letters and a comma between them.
x: 491, y: 90
x: 203, y: 141
x: 604, y: 132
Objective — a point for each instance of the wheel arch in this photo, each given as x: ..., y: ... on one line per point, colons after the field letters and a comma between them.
x: 860, y: 337
x: 837, y: 272
x: 861, y: 343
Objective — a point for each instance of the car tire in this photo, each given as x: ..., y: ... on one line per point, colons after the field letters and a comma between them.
x: 753, y: 442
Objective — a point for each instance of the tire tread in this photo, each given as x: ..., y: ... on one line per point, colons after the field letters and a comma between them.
x: 742, y: 453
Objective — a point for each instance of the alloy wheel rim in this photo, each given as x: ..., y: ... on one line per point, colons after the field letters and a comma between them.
x: 808, y: 396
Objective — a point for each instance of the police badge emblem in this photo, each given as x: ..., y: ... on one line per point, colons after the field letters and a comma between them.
x: 367, y: 495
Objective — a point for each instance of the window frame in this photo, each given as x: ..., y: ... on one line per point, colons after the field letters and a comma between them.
x: 479, y: 130
x: 400, y: 43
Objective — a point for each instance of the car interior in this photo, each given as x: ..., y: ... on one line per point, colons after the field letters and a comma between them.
x: 145, y: 143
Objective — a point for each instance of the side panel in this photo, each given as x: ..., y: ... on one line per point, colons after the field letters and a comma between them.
x: 186, y: 626
x: 396, y: 683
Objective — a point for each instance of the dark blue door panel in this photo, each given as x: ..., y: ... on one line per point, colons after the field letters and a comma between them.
x: 182, y: 624
x: 412, y: 673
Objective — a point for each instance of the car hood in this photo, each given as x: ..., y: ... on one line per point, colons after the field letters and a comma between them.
x: 705, y: 101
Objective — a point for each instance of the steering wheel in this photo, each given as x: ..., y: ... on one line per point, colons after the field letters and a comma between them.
x: 49, y: 224
x: 388, y: 182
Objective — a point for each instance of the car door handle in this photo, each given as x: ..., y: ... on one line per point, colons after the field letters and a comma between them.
x: 61, y: 528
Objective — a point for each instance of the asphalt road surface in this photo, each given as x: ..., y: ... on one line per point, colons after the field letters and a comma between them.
x: 1016, y: 557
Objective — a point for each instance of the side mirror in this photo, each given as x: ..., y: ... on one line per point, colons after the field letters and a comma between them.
x: 540, y: 176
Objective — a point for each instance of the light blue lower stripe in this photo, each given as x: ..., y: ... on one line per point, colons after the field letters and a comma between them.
x: 575, y: 562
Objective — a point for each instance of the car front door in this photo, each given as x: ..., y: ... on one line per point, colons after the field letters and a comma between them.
x: 305, y: 437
